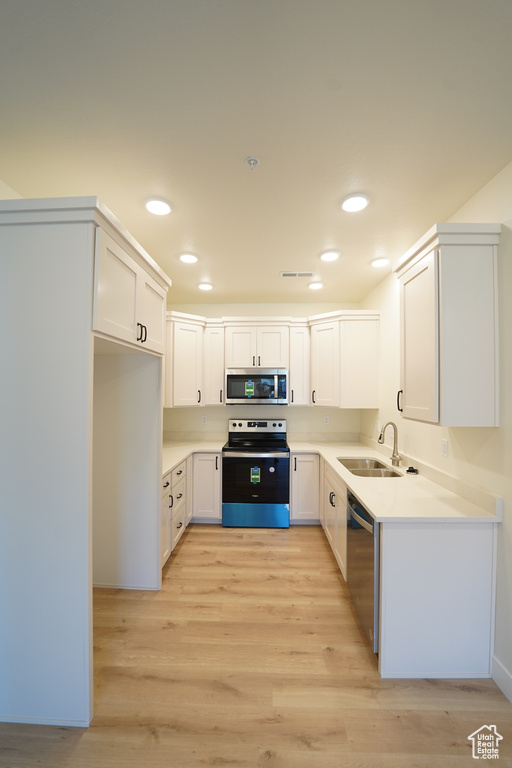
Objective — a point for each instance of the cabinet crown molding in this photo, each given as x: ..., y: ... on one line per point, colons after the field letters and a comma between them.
x: 448, y: 234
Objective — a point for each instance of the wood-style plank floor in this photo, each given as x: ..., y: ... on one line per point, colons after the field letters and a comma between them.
x: 250, y: 657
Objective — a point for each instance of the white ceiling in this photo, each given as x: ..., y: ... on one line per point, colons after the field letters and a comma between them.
x: 407, y: 100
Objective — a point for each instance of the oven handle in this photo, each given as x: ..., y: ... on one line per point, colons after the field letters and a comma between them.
x: 254, y: 454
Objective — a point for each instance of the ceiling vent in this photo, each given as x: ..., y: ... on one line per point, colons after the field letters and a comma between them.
x: 296, y: 274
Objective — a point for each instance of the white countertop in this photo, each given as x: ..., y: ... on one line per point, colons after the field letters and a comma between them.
x: 410, y: 498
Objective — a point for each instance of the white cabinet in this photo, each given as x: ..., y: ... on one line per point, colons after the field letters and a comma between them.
x: 300, y: 363
x: 178, y: 516
x: 165, y: 520
x: 449, y: 334
x: 437, y: 598
x: 206, y: 488
x: 359, y: 363
x: 187, y: 363
x: 213, y: 377
x: 264, y: 346
x: 325, y: 364
x: 304, y: 487
x: 129, y: 305
x: 345, y: 359
x: 334, y: 516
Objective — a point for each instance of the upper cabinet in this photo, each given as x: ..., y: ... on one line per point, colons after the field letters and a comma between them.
x: 345, y: 359
x: 449, y: 333
x: 261, y: 346
x: 129, y: 304
x: 184, y: 369
x: 299, y: 372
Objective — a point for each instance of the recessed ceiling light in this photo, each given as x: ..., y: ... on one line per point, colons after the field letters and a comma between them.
x: 380, y: 262
x: 330, y: 255
x: 354, y: 203
x: 158, y: 206
x: 316, y: 285
x: 205, y: 286
x: 188, y: 258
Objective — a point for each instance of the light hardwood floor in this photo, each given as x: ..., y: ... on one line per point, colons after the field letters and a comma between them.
x: 250, y: 657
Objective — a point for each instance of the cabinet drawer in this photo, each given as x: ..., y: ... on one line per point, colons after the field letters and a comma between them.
x: 178, y: 473
x: 178, y: 494
x: 166, y: 484
x: 177, y: 527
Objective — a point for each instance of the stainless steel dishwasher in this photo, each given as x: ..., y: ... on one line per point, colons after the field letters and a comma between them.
x: 363, y: 558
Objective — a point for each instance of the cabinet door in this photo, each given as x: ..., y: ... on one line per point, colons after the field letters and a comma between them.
x: 359, y: 363
x: 273, y: 347
x: 300, y: 362
x: 165, y: 520
x: 187, y: 364
x: 151, y: 300
x: 240, y: 347
x: 340, y: 541
x: 213, y: 380
x: 206, y: 487
x: 419, y: 341
x: 304, y: 486
x: 115, y: 290
x: 325, y: 364
x: 329, y: 502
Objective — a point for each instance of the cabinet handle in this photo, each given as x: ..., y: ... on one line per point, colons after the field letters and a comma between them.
x: 216, y: 462
x: 294, y: 463
x: 398, y: 398
x: 167, y: 484
x: 145, y: 334
x: 292, y: 395
x: 220, y: 396
x: 179, y: 526
x: 254, y: 359
x: 179, y: 472
x: 259, y: 360
x: 172, y: 501
x: 139, y: 335
x: 179, y: 496
x: 331, y: 498
x: 313, y: 396
x: 198, y: 395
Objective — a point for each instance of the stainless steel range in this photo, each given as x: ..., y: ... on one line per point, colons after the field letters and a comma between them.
x: 256, y: 474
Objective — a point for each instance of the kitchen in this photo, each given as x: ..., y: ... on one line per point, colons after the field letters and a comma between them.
x: 477, y: 457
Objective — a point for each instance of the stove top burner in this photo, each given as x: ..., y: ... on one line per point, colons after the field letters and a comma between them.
x: 254, y: 435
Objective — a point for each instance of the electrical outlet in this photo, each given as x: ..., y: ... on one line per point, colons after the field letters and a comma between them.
x: 444, y: 447
x: 204, y: 419
x: 326, y: 419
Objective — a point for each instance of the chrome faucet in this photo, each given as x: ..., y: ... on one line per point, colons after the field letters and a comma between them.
x: 395, y: 458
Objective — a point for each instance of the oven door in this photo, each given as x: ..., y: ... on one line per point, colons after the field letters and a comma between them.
x: 256, y: 489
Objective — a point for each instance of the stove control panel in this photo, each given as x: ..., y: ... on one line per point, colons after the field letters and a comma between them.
x: 248, y: 425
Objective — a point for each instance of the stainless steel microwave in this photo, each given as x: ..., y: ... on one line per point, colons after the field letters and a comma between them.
x: 256, y: 385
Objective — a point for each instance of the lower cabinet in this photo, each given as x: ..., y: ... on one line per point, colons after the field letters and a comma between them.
x: 334, y: 516
x: 304, y: 487
x: 206, y: 499
x: 175, y: 515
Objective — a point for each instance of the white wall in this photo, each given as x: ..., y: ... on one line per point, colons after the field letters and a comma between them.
x: 479, y: 456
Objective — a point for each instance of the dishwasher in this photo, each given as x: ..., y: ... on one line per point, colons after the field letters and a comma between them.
x: 363, y: 572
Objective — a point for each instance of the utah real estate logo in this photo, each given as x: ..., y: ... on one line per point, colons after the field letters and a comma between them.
x: 486, y: 743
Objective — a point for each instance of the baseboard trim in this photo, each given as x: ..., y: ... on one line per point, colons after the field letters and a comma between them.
x: 502, y: 677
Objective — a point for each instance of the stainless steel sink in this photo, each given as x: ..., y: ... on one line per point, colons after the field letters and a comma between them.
x: 362, y: 463
x: 376, y: 472
x: 365, y: 467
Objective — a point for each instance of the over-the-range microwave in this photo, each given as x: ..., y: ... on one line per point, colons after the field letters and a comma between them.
x: 256, y: 385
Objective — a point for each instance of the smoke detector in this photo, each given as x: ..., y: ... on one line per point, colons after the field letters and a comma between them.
x: 252, y: 162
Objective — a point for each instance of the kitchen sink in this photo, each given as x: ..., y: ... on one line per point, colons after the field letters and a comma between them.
x: 362, y: 463
x: 368, y: 467
x: 376, y: 472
